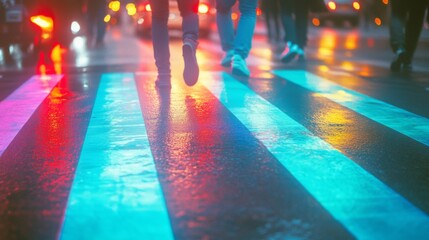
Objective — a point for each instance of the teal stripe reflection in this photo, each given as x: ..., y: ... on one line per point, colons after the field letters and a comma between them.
x: 364, y: 205
x: 404, y: 122
x: 116, y: 193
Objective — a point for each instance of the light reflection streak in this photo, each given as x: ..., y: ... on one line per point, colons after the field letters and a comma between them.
x: 351, y: 41
x: 339, y: 95
x: 79, y: 47
x: 349, y: 66
x: 323, y: 68
x: 328, y: 42
x: 400, y: 120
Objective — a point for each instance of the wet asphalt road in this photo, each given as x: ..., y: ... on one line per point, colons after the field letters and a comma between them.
x: 336, y: 147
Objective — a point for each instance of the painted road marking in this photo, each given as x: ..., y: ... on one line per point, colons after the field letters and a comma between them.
x: 18, y: 107
x: 116, y: 193
x: 404, y: 122
x: 364, y: 205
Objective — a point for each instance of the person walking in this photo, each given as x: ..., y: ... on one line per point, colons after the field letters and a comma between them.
x: 190, y: 29
x: 270, y: 9
x: 97, y: 10
x: 405, y: 27
x: 294, y: 15
x: 236, y: 45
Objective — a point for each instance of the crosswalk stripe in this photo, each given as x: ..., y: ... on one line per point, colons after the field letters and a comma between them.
x: 116, y: 193
x: 364, y: 205
x: 18, y: 107
x: 404, y: 122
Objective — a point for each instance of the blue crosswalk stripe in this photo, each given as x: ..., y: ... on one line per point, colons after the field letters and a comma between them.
x: 364, y: 205
x: 116, y: 193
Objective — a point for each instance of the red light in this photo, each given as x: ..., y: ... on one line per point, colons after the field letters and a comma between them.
x: 258, y: 12
x: 356, y: 5
x: 46, y: 23
x: 148, y: 8
x: 332, y: 5
x: 203, y: 8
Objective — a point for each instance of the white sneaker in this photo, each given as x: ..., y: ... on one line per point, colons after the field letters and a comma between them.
x: 239, y: 66
x: 226, y: 60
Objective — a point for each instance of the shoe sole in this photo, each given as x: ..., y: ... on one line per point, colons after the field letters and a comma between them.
x: 289, y: 57
x: 395, y: 66
x: 191, y: 71
x: 238, y: 72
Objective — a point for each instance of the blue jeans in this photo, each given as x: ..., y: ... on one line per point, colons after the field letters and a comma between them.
x: 241, y: 40
x: 160, y: 38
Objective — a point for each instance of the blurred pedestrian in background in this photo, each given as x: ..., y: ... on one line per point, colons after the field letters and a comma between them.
x: 236, y: 44
x: 96, y: 11
x: 367, y: 11
x: 190, y: 28
x: 294, y: 15
x: 405, y: 27
x: 270, y: 9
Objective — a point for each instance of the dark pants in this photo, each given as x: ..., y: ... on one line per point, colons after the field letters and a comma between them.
x: 96, y: 24
x: 406, y: 25
x: 294, y: 14
x: 160, y: 11
x: 271, y: 11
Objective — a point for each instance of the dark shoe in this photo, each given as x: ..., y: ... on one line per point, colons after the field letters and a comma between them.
x: 163, y: 81
x: 293, y: 52
x: 191, y: 71
x: 398, y: 62
x: 407, y: 67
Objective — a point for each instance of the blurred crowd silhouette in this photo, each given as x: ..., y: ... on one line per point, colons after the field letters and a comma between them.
x: 287, y: 21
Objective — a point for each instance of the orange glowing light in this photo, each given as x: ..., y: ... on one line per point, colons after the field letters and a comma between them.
x: 141, y: 8
x: 258, y: 12
x: 203, y: 8
x: 42, y: 69
x: 46, y: 36
x: 46, y: 23
x: 385, y: 2
x: 316, y: 22
x: 332, y: 5
x: 115, y: 5
x: 352, y: 41
x: 56, y: 53
x: 130, y: 6
x: 234, y: 16
x: 323, y: 68
x: 107, y: 18
x: 131, y: 9
x: 356, y: 5
x: 377, y: 21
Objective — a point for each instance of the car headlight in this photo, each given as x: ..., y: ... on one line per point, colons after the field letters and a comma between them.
x: 75, y: 27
